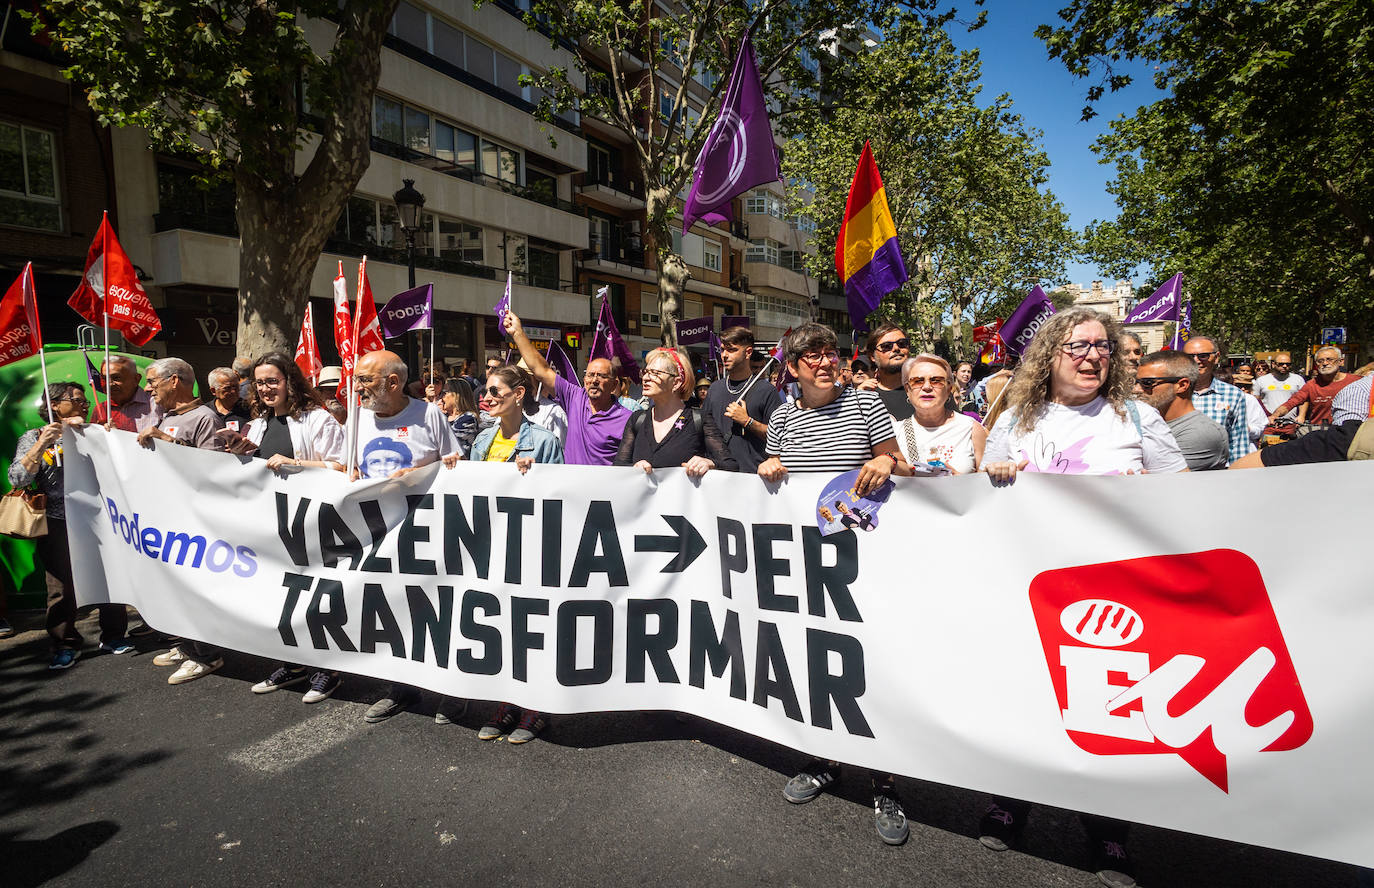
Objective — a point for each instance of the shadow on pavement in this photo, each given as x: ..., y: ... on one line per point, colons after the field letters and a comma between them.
x: 31, y: 862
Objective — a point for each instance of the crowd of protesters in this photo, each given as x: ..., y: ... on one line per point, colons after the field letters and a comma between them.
x: 1083, y: 399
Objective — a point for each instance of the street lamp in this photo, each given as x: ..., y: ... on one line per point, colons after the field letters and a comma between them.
x: 409, y: 202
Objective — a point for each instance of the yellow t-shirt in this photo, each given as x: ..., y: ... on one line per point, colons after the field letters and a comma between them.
x: 501, y: 448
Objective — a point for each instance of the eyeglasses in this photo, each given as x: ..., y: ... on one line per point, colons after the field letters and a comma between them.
x: 1327, y: 362
x: 660, y: 375
x: 1276, y: 363
x: 79, y: 399
x: 602, y: 376
x: 1149, y: 383
x: 920, y: 381
x: 1079, y: 348
x: 1202, y: 357
x: 903, y: 344
x: 492, y: 391
x: 273, y: 383
x: 815, y: 359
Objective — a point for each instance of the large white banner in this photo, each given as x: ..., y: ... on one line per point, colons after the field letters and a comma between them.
x: 1190, y: 651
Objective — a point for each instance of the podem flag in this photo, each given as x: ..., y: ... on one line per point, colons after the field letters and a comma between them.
x: 410, y: 310
x: 19, y: 333
x: 738, y: 152
x: 1019, y: 328
x: 608, y: 343
x: 1162, y: 305
x: 110, y: 290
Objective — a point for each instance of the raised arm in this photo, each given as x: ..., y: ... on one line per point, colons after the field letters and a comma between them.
x: 538, y: 367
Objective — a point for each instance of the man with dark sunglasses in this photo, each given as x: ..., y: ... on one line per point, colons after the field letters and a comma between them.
x: 1278, y: 385
x: 888, y: 348
x: 1165, y: 380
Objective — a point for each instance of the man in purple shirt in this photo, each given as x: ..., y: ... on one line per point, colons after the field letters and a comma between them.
x: 596, y: 420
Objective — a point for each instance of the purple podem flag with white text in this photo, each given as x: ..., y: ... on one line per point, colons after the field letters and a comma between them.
x: 503, y: 306
x: 410, y: 310
x: 1163, y: 304
x: 738, y: 153
x: 608, y: 343
x: 1183, y: 330
x: 558, y: 360
x: 1019, y: 328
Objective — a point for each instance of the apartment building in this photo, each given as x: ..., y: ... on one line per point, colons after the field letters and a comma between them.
x: 557, y: 206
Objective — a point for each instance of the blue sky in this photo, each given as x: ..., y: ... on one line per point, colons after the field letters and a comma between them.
x: 1051, y: 100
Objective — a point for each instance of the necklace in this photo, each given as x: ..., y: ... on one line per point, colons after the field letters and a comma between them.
x: 731, y: 389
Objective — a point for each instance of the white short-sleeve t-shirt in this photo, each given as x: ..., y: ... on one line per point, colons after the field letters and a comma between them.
x: 1089, y: 439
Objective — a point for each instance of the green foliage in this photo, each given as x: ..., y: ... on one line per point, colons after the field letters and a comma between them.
x: 966, y: 184
x: 1253, y: 175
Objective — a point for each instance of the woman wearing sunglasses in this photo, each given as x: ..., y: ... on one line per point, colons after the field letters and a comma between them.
x: 1070, y: 410
x: 670, y: 434
x: 935, y: 434
x: 516, y: 440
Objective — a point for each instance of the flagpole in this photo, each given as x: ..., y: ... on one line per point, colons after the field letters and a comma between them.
x: 994, y: 402
x: 762, y: 370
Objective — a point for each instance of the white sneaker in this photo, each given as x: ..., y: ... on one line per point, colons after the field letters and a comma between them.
x: 191, y: 670
x: 171, y: 658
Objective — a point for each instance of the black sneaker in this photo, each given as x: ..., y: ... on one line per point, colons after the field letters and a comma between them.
x: 888, y: 815
x: 808, y: 784
x: 449, y: 710
x: 501, y: 724
x: 397, y: 699
x: 1000, y: 829
x: 322, y: 684
x: 281, y: 677
x: 531, y: 723
x: 1112, y: 863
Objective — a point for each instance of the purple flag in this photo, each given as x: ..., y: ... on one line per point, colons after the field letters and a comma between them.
x: 411, y: 310
x: 1019, y: 328
x: 503, y: 306
x: 713, y: 348
x: 695, y: 331
x: 607, y: 342
x: 738, y: 152
x: 1162, y: 305
x: 1183, y: 330
x: 558, y: 360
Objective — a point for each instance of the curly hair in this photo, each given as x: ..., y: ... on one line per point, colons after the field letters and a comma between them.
x: 1029, y: 389
x: 300, y: 395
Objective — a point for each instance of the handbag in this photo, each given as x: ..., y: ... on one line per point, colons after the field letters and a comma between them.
x: 24, y: 514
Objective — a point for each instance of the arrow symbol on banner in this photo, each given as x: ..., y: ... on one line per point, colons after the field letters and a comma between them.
x: 688, y: 544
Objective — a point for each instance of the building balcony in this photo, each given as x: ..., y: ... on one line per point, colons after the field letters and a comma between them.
x: 613, y: 189
x: 470, y: 174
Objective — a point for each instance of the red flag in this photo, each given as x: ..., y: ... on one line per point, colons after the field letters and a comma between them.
x: 343, y: 334
x: 307, y: 350
x: 19, y: 333
x: 110, y: 289
x: 987, y: 332
x: 368, y: 333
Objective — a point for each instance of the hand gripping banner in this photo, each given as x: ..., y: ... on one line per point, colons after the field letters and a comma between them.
x: 1036, y: 641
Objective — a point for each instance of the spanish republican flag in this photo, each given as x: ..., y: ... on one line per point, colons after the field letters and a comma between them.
x: 867, y: 255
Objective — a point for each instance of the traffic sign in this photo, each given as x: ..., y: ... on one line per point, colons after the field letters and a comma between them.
x: 1333, y: 336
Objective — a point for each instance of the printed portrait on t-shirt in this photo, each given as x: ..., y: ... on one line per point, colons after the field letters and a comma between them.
x: 384, y: 456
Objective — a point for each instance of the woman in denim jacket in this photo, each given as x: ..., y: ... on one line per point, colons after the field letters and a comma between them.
x: 513, y: 438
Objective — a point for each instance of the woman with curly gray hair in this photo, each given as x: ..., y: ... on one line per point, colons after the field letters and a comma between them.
x: 1070, y: 410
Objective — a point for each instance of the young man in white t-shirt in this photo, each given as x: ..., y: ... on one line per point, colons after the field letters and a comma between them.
x: 1275, y: 387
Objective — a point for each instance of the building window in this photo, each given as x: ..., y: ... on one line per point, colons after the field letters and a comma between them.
x: 417, y: 130
x: 543, y: 268
x: 764, y: 204
x: 28, y: 178
x: 507, y: 74
x: 409, y: 24
x: 500, y: 162
x: 388, y: 120
x: 357, y: 222
x: 480, y: 60
x: 178, y: 191
x: 448, y: 42
x: 710, y: 256
x: 763, y: 250
x: 460, y: 240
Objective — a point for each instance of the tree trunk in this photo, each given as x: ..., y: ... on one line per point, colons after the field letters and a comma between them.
x: 672, y: 269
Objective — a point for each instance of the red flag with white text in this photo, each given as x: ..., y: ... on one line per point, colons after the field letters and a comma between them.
x: 307, y: 349
x: 19, y: 333
x: 343, y: 334
x: 368, y: 334
x: 110, y: 289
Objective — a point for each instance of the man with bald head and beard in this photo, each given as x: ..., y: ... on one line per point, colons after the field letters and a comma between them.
x: 398, y: 434
x: 596, y: 419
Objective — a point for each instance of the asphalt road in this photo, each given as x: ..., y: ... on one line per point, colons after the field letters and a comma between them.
x: 111, y: 777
